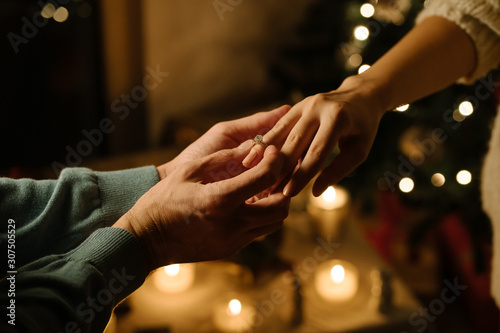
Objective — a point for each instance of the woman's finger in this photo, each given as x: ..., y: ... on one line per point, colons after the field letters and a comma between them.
x: 258, y: 123
x: 350, y: 157
x: 253, y: 181
x: 275, y: 136
x: 298, y: 141
x: 331, y: 129
x: 266, y: 210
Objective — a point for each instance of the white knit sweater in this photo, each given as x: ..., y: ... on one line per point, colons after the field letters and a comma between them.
x: 480, y: 19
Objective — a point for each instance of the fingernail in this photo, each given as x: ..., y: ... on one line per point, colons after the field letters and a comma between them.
x: 287, y: 191
x: 250, y: 157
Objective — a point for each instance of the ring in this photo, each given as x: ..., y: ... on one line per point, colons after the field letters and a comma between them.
x: 259, y: 139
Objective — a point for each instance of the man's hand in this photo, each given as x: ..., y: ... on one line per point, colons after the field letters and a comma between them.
x: 226, y: 135
x: 201, y: 211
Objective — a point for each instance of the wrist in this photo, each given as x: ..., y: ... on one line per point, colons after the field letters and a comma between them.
x: 164, y: 170
x: 370, y: 90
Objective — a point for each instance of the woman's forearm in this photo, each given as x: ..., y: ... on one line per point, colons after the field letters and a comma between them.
x: 432, y: 56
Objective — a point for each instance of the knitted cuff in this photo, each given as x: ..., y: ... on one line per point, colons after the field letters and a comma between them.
x: 120, y: 190
x: 480, y: 20
x: 117, y: 254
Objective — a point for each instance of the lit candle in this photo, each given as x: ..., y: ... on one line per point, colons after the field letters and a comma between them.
x: 337, y: 281
x: 234, y: 315
x: 174, y: 278
x: 329, y: 210
x: 334, y: 197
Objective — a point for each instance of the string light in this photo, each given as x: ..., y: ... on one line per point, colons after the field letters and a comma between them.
x: 465, y: 108
x: 458, y: 116
x: 438, y: 179
x: 355, y: 60
x: 402, y: 108
x: 406, y: 185
x: 48, y: 10
x: 464, y: 177
x: 361, y: 32
x: 61, y: 14
x: 363, y: 68
x: 367, y: 10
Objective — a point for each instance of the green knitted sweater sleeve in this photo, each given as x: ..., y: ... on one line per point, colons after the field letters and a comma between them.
x: 54, y: 216
x: 76, y: 291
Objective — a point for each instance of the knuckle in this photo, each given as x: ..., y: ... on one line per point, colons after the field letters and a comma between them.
x: 318, y: 98
x: 226, y: 154
x: 295, y: 138
x: 318, y: 150
x: 279, y: 127
x: 316, y: 101
x: 219, y: 127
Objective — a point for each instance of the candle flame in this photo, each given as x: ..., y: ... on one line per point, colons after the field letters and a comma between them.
x: 337, y: 273
x: 172, y: 270
x: 330, y: 194
x: 234, y: 307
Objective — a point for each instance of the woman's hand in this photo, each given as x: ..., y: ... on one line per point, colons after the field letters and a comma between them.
x: 311, y: 130
x: 433, y: 55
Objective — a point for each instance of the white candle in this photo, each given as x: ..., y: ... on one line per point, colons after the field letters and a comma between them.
x: 234, y: 315
x: 174, y: 278
x: 328, y: 211
x: 334, y: 197
x: 337, y: 281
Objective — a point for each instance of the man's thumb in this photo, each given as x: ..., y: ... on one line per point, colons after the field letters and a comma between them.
x: 221, y: 165
x: 255, y: 180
